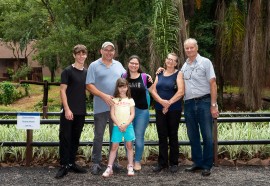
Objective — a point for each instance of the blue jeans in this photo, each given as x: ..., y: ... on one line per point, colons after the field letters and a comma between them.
x: 199, y: 119
x: 140, y: 123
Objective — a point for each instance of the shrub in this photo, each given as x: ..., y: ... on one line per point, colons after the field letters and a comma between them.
x: 22, y: 72
x: 8, y: 93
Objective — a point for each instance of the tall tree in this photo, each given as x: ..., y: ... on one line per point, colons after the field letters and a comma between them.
x: 62, y: 24
x: 230, y: 32
x: 254, y: 55
x: 20, y: 26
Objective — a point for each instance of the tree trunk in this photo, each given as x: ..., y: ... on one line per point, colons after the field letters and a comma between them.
x: 254, y: 57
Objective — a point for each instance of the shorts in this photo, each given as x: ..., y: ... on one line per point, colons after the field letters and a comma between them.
x: 128, y: 135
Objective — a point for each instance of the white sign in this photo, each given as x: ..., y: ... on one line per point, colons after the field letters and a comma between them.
x: 28, y: 120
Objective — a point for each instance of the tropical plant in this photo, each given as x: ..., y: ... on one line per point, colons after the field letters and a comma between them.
x: 165, y: 36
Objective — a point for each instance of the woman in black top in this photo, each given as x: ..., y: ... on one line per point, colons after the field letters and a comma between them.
x: 139, y: 84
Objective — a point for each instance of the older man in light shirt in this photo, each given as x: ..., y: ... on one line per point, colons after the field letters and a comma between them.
x: 200, y: 106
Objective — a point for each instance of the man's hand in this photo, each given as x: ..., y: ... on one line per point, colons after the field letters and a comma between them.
x: 108, y: 99
x: 214, y: 111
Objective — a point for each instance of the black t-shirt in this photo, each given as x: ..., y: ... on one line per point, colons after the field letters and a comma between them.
x: 138, y: 91
x: 76, y: 89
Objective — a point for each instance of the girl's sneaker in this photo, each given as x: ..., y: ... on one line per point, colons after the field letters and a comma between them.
x: 130, y: 170
x: 108, y: 172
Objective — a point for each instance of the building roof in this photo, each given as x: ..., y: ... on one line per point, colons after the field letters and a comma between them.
x: 7, y: 53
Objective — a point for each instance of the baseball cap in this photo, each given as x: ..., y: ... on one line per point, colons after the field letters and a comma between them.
x: 107, y: 43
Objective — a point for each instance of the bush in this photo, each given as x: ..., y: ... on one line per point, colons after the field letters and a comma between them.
x: 10, y: 73
x: 22, y: 72
x: 8, y: 93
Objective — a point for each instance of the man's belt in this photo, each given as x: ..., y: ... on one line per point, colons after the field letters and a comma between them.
x: 202, y: 97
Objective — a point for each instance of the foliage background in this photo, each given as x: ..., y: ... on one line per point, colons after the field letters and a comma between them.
x: 234, y: 34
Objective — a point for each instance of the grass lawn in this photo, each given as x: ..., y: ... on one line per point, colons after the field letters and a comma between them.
x: 34, y: 101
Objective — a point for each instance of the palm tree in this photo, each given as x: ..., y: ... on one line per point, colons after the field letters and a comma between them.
x: 168, y: 31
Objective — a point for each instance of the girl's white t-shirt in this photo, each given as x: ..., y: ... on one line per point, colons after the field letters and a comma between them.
x: 122, y: 108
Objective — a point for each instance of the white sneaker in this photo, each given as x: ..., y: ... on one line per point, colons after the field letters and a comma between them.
x: 108, y: 172
x: 130, y: 170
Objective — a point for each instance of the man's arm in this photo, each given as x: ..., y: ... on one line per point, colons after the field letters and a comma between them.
x: 213, y: 92
x: 106, y: 98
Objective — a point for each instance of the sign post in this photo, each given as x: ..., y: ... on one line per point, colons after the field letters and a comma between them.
x: 28, y: 121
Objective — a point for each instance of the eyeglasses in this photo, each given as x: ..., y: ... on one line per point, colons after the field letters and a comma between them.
x: 106, y: 50
x: 136, y: 64
x: 188, y: 73
x: 171, y: 60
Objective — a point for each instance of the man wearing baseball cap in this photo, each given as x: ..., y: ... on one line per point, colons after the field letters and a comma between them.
x: 100, y: 81
x: 107, y: 43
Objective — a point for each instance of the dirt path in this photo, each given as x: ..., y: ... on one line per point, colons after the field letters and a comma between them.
x: 228, y: 176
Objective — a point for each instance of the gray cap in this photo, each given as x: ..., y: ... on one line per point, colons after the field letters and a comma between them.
x: 107, y: 43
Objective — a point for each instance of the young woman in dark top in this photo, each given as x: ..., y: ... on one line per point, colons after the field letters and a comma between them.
x: 139, y: 84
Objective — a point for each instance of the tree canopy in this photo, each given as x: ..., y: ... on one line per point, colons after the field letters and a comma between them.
x: 150, y: 29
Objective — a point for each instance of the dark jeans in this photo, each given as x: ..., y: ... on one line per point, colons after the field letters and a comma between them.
x: 199, y: 121
x: 69, y: 136
x: 167, y: 128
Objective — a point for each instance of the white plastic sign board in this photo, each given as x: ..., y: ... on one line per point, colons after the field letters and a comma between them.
x: 28, y: 120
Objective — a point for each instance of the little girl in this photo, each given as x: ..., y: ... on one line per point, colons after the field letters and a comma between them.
x: 122, y: 114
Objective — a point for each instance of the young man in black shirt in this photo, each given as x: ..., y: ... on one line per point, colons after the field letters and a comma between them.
x: 73, y: 96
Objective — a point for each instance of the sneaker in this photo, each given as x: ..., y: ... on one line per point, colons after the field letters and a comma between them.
x: 117, y: 167
x: 130, y: 170
x: 108, y: 172
x: 62, y: 172
x: 137, y: 166
x: 77, y: 169
x: 95, y: 169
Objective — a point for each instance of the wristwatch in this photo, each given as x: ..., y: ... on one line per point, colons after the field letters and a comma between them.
x: 214, y: 104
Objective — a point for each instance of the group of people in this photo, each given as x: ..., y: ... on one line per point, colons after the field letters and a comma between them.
x: 121, y: 98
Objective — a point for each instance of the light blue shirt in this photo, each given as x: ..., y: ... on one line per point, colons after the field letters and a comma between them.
x: 197, y: 77
x: 104, y: 78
